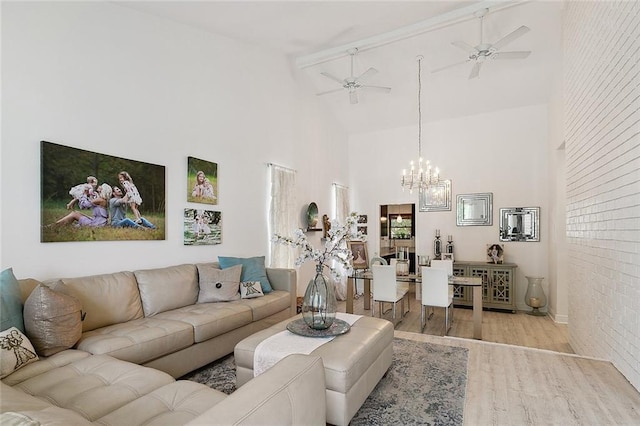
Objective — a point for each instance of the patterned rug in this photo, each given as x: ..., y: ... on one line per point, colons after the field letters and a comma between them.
x: 425, y: 385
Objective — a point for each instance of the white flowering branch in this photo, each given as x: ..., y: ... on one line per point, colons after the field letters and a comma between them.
x: 335, y: 246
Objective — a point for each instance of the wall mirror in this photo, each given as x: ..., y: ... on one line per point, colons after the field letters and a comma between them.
x: 437, y: 197
x: 474, y: 209
x: 520, y: 224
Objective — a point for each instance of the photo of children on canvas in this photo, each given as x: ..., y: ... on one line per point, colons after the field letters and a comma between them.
x: 202, y: 227
x: 202, y: 181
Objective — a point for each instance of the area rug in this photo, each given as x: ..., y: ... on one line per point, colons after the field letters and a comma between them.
x: 425, y: 385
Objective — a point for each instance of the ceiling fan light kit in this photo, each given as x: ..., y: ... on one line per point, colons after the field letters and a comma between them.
x: 352, y: 83
x: 422, y: 175
x: 481, y: 52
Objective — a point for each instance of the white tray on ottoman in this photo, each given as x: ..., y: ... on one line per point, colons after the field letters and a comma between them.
x: 354, y: 363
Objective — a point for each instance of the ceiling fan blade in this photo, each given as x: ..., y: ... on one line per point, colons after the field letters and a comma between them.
x: 332, y: 77
x: 451, y: 65
x: 329, y: 91
x: 511, y: 55
x: 367, y: 74
x: 511, y: 37
x: 475, y: 71
x: 464, y: 46
x: 378, y: 88
x: 353, y: 97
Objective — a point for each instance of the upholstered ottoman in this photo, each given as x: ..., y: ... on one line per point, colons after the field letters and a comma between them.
x: 354, y: 363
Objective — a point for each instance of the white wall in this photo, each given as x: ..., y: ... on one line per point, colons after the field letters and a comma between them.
x: 101, y: 77
x: 602, y: 135
x: 504, y: 152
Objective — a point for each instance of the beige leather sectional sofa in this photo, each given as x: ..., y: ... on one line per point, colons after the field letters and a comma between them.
x: 76, y: 388
x: 150, y: 318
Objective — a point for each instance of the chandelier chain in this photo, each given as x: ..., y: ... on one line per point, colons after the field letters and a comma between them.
x: 419, y: 107
x: 422, y: 175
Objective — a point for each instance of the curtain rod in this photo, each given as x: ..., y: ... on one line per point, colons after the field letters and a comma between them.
x: 281, y: 167
x: 340, y: 186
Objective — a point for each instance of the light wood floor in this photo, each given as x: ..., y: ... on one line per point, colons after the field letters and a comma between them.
x: 518, y: 329
x: 524, y: 372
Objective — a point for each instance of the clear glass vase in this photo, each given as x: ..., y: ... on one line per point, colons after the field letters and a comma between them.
x: 319, y: 303
x: 535, y: 297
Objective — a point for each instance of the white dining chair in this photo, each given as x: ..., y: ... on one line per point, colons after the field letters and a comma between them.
x: 447, y: 265
x: 378, y: 261
x: 387, y: 290
x: 437, y: 292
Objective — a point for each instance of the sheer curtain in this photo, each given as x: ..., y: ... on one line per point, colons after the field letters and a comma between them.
x: 341, y: 194
x: 282, y: 214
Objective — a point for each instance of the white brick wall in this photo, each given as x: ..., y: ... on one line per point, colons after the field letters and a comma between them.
x: 602, y: 135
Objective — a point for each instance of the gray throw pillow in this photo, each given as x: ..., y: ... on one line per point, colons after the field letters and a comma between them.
x: 53, y: 320
x: 218, y: 285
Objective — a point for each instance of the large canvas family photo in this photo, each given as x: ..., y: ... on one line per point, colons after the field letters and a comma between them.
x: 88, y: 196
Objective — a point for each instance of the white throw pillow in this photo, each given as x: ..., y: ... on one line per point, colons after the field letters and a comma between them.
x: 250, y: 289
x: 16, y: 351
x: 218, y: 285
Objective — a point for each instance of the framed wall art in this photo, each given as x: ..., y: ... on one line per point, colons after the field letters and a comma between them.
x: 362, y: 218
x: 202, y: 181
x: 436, y: 198
x: 360, y: 256
x: 202, y: 227
x: 474, y: 209
x: 88, y: 196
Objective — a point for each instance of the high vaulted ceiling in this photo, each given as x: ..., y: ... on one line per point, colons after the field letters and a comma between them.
x: 316, y: 35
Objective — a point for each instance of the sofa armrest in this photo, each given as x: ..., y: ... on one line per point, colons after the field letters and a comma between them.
x: 286, y: 280
x: 292, y: 392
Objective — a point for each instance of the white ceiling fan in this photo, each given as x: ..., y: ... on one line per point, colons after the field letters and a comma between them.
x: 483, y: 51
x: 352, y: 83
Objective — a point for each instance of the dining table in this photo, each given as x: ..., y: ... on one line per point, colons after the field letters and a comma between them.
x: 367, y: 277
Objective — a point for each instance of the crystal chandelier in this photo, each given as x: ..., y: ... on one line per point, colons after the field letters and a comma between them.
x: 421, y: 175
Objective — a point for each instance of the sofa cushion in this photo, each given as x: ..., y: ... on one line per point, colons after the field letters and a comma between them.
x: 94, y: 386
x: 269, y: 304
x: 211, y: 319
x: 173, y: 404
x: 43, y: 365
x: 138, y: 341
x: 218, y: 285
x: 16, y: 351
x: 163, y: 289
x: 53, y: 320
x: 10, y: 302
x: 106, y: 299
x: 253, y: 269
x: 39, y: 411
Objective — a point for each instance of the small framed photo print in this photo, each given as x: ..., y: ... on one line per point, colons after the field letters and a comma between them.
x: 360, y: 256
x: 447, y: 256
x: 495, y: 253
